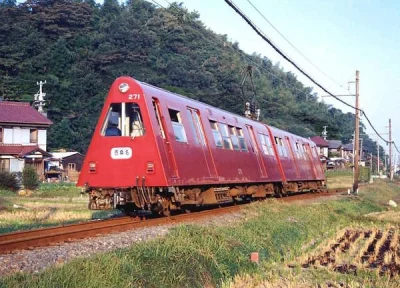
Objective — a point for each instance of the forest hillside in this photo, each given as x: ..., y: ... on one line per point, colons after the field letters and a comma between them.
x: 80, y: 47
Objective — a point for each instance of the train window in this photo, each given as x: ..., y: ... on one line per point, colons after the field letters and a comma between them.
x: 281, y: 147
x: 234, y: 138
x: 225, y: 136
x: 158, y: 116
x: 192, y: 127
x: 266, y: 144
x: 123, y: 119
x: 217, y: 136
x: 179, y: 130
x: 263, y: 144
x: 298, y: 151
x: 199, y: 126
x: 242, y: 142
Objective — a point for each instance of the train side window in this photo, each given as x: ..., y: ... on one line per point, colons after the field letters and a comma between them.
x: 217, y: 136
x: 266, y: 144
x: 179, y: 130
x: 298, y: 151
x: 263, y: 144
x: 281, y: 147
x: 192, y: 127
x: 199, y: 126
x: 234, y: 138
x: 225, y: 136
x: 242, y: 142
x: 158, y: 116
x: 123, y: 119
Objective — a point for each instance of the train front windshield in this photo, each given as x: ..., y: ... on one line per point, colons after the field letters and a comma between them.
x: 123, y: 119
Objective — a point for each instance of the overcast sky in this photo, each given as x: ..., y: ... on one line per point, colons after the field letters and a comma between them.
x: 338, y: 36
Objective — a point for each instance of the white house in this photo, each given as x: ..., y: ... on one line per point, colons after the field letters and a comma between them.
x: 23, y: 137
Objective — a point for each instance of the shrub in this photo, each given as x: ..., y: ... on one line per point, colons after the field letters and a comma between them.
x: 30, y: 178
x: 8, y: 181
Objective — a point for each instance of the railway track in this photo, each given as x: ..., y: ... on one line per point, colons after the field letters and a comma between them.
x: 49, y: 236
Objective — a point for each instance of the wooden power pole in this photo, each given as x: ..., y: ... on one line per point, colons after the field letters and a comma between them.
x: 390, y: 150
x: 357, y: 136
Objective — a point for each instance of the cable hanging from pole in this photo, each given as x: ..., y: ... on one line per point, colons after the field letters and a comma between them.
x: 265, y: 38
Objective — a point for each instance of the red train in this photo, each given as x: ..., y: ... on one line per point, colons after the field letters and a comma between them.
x: 159, y: 151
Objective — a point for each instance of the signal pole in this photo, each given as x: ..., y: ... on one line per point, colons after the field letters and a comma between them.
x: 390, y: 150
x: 39, y: 97
x: 357, y: 135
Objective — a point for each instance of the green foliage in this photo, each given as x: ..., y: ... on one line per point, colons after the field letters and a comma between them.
x: 80, y: 47
x: 30, y: 178
x: 8, y: 181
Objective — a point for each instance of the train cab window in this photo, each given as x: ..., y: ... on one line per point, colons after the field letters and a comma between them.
x: 123, y: 119
x: 242, y: 142
x: 234, y: 138
x: 179, y: 130
x: 225, y: 136
x: 216, y: 134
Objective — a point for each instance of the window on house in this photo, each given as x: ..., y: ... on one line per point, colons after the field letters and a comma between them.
x: 4, y: 165
x: 177, y: 126
x: 234, y: 138
x: 225, y: 136
x: 72, y: 166
x: 216, y: 134
x: 123, y: 119
x: 33, y: 136
x: 242, y: 142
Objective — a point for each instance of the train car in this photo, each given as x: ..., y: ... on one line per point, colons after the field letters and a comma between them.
x: 158, y: 151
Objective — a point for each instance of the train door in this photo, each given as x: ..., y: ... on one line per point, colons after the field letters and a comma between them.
x: 166, y: 141
x: 256, y: 151
x: 194, y: 118
x: 307, y: 150
x: 294, y: 159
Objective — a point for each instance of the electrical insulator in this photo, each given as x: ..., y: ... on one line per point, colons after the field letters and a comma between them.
x: 253, y: 108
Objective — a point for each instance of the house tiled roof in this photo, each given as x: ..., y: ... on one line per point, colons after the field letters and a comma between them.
x: 348, y: 147
x: 21, y: 113
x: 334, y: 144
x: 21, y: 150
x: 319, y: 141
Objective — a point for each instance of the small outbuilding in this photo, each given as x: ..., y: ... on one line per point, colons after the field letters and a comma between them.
x: 64, y: 166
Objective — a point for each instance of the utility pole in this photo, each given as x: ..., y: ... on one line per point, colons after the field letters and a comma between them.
x: 377, y: 148
x: 390, y: 150
x: 370, y: 169
x: 357, y: 135
x: 39, y: 98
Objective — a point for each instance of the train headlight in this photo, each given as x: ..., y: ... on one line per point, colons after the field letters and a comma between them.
x: 92, y: 167
x: 123, y: 87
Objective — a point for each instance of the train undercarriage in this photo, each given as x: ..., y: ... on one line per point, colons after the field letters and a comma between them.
x: 163, y: 200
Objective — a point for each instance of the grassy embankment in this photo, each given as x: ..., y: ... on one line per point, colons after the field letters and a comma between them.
x: 192, y: 256
x: 50, y: 205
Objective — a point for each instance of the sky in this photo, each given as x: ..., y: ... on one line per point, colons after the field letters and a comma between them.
x: 338, y: 36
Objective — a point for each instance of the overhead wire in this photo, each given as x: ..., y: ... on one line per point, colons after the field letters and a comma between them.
x: 263, y: 36
x: 293, y: 46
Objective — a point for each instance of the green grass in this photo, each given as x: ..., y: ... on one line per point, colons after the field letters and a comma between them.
x: 50, y: 205
x: 192, y: 256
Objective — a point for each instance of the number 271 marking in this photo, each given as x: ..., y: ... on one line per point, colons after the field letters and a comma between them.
x: 134, y: 96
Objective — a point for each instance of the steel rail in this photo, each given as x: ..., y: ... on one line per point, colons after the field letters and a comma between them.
x: 29, y: 239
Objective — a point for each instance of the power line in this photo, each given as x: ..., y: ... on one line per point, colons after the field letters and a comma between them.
x: 294, y: 47
x: 263, y: 36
